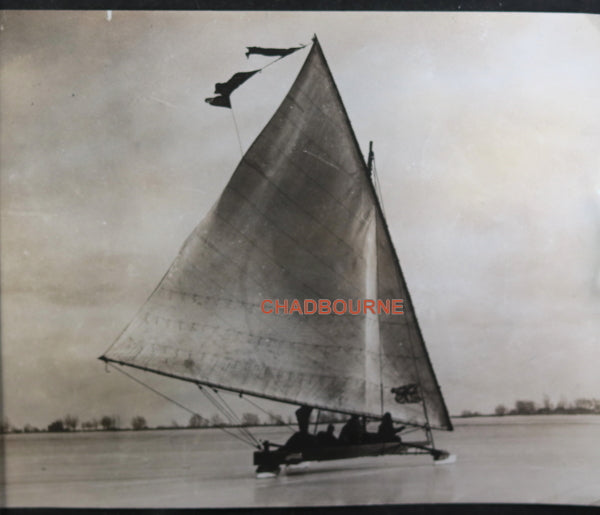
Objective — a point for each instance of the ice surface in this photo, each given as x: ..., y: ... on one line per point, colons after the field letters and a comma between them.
x: 541, y: 459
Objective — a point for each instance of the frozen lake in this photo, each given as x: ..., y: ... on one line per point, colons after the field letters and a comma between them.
x: 537, y: 459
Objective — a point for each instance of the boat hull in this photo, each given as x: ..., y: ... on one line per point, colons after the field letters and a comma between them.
x: 337, y: 452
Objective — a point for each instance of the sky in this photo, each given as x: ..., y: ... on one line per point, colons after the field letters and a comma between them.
x: 486, y: 130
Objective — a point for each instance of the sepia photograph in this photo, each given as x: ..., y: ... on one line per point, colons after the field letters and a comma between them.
x: 292, y: 259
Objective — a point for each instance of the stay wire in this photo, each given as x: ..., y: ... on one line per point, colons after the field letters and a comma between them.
x: 246, y: 430
x: 230, y: 415
x: 139, y: 381
x: 216, y: 404
x: 248, y: 441
x: 378, y: 185
x: 166, y: 397
x: 237, y: 131
x: 277, y: 417
x: 228, y: 412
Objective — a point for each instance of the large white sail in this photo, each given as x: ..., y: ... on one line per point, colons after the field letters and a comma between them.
x: 292, y: 223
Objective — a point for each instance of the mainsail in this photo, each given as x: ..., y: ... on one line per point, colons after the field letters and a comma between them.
x: 299, y: 219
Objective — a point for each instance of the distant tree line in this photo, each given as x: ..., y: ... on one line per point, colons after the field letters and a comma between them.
x: 70, y: 423
x: 580, y: 406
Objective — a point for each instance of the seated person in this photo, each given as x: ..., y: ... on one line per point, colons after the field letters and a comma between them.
x: 387, y: 431
x: 327, y: 438
x: 352, y: 432
x: 301, y: 439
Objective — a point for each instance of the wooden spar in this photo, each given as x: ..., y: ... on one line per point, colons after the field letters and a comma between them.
x: 251, y: 394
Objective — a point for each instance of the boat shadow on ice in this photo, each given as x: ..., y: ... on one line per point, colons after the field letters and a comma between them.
x: 350, y: 467
x: 355, y: 481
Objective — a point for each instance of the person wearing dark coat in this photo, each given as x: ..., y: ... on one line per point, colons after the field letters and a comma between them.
x: 352, y: 432
x: 327, y: 438
x: 386, y: 431
x: 301, y: 439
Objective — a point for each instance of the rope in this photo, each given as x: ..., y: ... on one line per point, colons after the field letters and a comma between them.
x: 154, y: 390
x: 273, y: 62
x: 277, y: 417
x: 242, y: 428
x: 250, y: 439
x: 166, y: 397
x: 231, y: 416
x: 228, y: 412
x: 378, y: 186
x: 237, y: 131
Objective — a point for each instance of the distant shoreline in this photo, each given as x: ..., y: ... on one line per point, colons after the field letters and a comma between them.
x: 236, y: 426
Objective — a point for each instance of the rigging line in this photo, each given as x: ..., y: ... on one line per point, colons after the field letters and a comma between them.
x: 139, y: 381
x: 421, y: 390
x: 231, y: 433
x: 279, y: 59
x: 226, y: 409
x: 277, y: 417
x: 380, y: 374
x: 378, y: 186
x: 411, y: 431
x: 212, y: 401
x: 272, y: 62
x: 237, y: 131
x: 230, y: 415
x: 216, y: 404
x: 242, y: 428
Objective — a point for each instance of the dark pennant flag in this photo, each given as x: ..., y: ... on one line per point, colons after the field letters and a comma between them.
x: 224, y: 89
x: 407, y: 394
x: 281, y: 52
x: 219, y: 101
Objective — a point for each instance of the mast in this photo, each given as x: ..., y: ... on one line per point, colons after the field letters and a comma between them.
x: 373, y: 379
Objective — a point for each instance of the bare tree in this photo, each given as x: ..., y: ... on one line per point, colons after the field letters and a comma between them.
x: 138, y: 423
x: 108, y: 423
x: 525, y: 407
x: 250, y: 419
x: 90, y: 424
x: 70, y: 422
x: 500, y: 410
x: 56, y: 426
x: 197, y: 420
x: 216, y: 420
x: 584, y: 405
x: 4, y: 426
